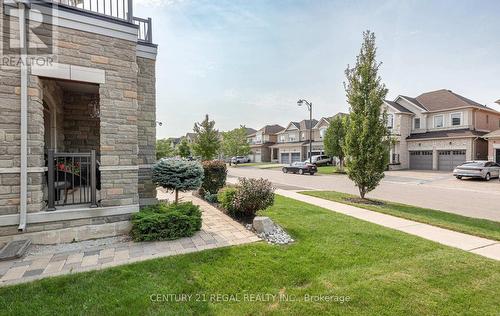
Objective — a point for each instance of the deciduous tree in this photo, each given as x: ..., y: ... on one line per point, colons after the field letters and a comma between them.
x: 334, y: 138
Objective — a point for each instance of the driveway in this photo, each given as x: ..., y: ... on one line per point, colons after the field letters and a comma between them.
x: 436, y: 190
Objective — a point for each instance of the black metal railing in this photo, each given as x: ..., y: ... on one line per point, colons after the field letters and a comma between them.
x: 144, y: 33
x: 118, y: 9
x: 71, y: 179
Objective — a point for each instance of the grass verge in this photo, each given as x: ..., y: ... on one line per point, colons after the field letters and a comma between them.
x: 329, y: 170
x: 382, y: 271
x: 473, y: 226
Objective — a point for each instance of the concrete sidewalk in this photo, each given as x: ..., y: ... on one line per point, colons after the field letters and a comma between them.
x: 481, y: 246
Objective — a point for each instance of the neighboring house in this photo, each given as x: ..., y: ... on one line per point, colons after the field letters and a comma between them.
x: 174, y: 141
x: 293, y: 141
x: 493, y: 139
x: 437, y: 130
x: 190, y: 137
x: 261, y: 141
x: 77, y: 134
x: 319, y: 131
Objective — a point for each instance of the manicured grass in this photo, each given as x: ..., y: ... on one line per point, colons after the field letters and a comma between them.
x: 260, y: 165
x: 383, y: 271
x: 329, y: 170
x: 474, y: 226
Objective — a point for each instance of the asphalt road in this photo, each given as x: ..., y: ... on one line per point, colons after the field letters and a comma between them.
x: 436, y: 190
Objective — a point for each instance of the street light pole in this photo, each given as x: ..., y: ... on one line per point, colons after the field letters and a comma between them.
x: 309, y: 107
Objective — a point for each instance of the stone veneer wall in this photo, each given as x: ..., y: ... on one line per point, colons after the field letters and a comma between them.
x: 118, y: 123
x: 146, y: 128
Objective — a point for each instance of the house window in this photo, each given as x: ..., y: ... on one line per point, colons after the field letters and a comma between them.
x: 438, y: 121
x: 282, y: 138
x: 498, y: 123
x: 390, y: 120
x: 291, y: 137
x: 456, y: 119
x: 417, y: 123
x: 323, y: 131
x: 487, y: 119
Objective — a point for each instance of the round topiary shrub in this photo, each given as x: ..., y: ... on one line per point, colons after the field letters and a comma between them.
x: 215, y: 172
x: 178, y: 175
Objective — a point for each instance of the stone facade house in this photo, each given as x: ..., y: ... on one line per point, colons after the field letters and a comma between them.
x: 261, y: 141
x: 437, y: 130
x: 293, y: 141
x: 77, y: 130
x: 493, y: 139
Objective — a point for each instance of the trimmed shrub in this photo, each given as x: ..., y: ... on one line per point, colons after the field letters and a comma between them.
x: 166, y: 222
x: 212, y: 198
x: 215, y: 173
x: 226, y: 198
x: 253, y: 195
x: 178, y: 175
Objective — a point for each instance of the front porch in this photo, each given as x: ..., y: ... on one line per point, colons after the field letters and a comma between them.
x: 72, y: 148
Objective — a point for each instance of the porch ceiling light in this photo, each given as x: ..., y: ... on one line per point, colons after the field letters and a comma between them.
x: 94, y: 108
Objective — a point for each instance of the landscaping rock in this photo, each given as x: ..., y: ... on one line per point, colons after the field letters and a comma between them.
x: 263, y: 224
x: 277, y: 236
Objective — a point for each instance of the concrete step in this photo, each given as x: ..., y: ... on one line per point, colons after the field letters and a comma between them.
x: 14, y: 249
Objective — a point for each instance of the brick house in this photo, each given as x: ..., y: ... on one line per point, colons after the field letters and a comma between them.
x: 438, y: 130
x: 261, y: 141
x: 77, y: 132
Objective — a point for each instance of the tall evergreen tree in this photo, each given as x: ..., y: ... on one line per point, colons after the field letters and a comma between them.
x: 183, y: 148
x: 207, y: 143
x: 366, y: 145
x: 334, y: 139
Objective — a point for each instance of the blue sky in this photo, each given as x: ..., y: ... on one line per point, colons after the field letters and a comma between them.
x: 248, y: 61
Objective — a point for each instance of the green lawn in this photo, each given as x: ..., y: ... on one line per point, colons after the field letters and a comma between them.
x: 382, y: 271
x: 260, y: 165
x: 479, y: 227
x: 328, y: 170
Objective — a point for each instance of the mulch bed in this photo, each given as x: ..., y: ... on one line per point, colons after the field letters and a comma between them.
x: 364, y: 201
x: 240, y: 219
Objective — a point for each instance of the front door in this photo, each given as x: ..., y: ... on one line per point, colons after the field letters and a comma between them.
x: 497, y: 155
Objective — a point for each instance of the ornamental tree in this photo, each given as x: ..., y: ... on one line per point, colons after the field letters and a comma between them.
x: 335, y: 137
x: 178, y: 175
x: 207, y: 143
x: 366, y: 144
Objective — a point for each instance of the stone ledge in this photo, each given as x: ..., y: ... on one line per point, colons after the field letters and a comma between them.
x: 68, y: 214
x: 79, y: 233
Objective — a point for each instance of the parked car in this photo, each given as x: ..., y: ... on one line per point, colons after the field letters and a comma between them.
x: 321, y: 160
x: 477, y: 169
x: 300, y: 168
x: 240, y: 159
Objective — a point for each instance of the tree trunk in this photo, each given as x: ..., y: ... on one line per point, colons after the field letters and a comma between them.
x: 362, y: 193
x: 176, y: 196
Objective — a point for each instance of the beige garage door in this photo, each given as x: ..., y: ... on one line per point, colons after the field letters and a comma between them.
x: 449, y: 159
x: 421, y: 159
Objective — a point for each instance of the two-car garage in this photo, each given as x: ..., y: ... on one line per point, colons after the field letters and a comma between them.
x: 447, y: 159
